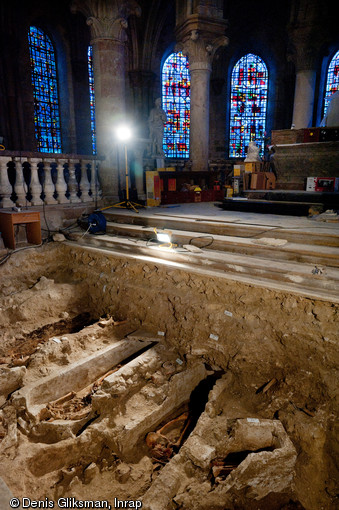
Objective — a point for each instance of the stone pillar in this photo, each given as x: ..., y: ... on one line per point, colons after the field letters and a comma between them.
x: 200, y: 55
x: 304, y: 98
x: 139, y: 150
x: 200, y: 32
x: 142, y: 83
x: 305, y: 39
x: 108, y: 22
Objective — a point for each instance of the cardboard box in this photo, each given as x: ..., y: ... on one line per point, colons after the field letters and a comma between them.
x: 262, y: 180
x: 238, y: 170
x: 270, y: 180
x: 153, y: 192
x: 253, y: 182
x: 172, y: 185
x: 310, y: 183
x: 246, y: 180
x: 325, y: 184
x: 253, y: 167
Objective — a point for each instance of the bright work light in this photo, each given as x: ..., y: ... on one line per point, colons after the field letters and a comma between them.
x: 164, y: 236
x: 123, y: 132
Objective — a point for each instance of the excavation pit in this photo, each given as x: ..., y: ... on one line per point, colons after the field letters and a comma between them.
x: 268, y: 359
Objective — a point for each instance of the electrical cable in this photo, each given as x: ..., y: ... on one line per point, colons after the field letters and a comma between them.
x: 201, y: 237
x: 89, y: 226
x: 44, y: 213
x: 9, y: 254
x: 152, y: 239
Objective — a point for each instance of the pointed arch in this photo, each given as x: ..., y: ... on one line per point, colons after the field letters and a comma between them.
x: 249, y: 92
x: 45, y: 91
x: 332, y: 80
x: 176, y: 84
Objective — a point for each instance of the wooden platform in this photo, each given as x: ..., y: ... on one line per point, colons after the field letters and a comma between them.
x: 297, y: 255
x: 293, y: 203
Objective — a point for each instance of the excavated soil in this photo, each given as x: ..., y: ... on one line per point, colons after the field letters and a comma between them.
x: 224, y: 396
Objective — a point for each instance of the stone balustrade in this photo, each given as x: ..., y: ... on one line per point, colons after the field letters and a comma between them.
x: 28, y: 178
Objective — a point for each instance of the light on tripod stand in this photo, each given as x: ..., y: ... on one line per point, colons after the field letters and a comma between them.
x: 123, y: 133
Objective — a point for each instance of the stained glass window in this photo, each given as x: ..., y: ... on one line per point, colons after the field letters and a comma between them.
x: 176, y: 84
x: 249, y: 86
x: 332, y: 84
x: 45, y: 91
x: 92, y: 98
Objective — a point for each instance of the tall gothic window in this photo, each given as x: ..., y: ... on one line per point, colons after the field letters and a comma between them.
x: 45, y: 91
x: 176, y: 84
x: 249, y: 86
x: 92, y: 98
x: 332, y: 83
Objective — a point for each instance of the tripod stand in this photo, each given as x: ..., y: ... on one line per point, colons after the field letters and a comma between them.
x: 126, y: 204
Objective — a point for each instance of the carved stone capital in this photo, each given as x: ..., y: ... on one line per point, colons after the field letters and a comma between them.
x: 303, y: 52
x: 200, y: 51
x: 306, y: 34
x: 107, y: 28
x: 107, y: 18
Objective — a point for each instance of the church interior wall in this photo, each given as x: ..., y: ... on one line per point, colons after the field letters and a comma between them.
x: 259, y: 28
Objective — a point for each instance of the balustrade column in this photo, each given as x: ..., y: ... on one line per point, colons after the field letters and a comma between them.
x: 61, y: 184
x: 19, y: 186
x: 85, y: 185
x: 95, y: 185
x: 49, y: 187
x: 5, y: 186
x: 35, y: 186
x: 73, y: 184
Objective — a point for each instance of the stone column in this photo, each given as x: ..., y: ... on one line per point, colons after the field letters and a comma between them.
x: 304, y: 98
x: 108, y: 21
x: 305, y: 39
x: 200, y: 30
x: 200, y: 55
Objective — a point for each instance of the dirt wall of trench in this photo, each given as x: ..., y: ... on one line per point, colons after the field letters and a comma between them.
x: 259, y: 336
